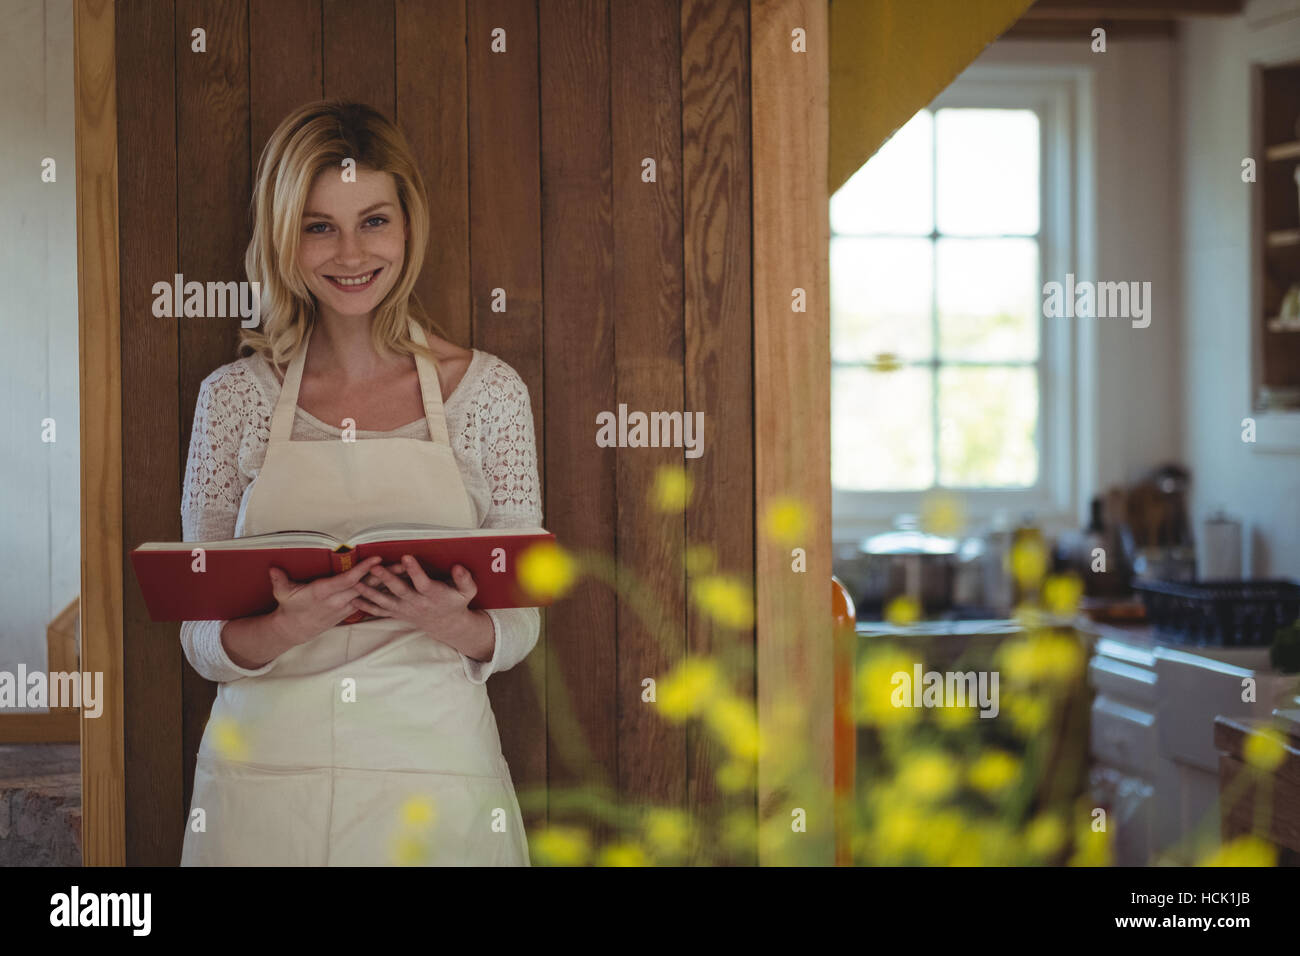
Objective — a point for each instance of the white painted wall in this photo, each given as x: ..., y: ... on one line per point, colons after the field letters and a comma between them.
x: 39, y: 483
x: 1262, y: 489
x: 1132, y: 421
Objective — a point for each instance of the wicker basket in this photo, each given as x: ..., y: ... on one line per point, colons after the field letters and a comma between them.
x: 1220, y: 613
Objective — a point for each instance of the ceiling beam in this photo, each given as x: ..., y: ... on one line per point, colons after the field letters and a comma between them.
x: 1130, y: 9
x: 1059, y: 29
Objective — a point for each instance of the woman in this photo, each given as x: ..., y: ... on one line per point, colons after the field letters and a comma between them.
x: 375, y: 742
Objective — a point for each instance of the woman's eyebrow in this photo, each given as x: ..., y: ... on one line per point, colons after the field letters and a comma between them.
x: 307, y: 213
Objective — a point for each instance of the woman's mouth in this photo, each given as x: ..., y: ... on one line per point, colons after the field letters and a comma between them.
x: 356, y: 283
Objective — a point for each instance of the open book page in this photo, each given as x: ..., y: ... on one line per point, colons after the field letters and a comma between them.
x: 278, y: 539
x: 423, y: 532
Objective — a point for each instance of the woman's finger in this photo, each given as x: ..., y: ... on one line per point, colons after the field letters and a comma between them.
x: 361, y: 604
x: 419, y: 580
x: 391, y: 581
x: 375, y: 596
x: 464, y: 581
x: 341, y: 582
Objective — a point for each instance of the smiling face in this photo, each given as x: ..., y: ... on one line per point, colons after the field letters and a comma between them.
x: 353, y: 241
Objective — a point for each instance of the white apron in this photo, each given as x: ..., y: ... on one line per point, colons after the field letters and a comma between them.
x: 291, y: 771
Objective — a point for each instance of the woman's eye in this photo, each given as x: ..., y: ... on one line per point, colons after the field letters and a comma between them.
x: 376, y: 219
x: 313, y: 227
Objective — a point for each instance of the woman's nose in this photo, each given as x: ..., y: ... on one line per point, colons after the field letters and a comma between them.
x: 350, y: 249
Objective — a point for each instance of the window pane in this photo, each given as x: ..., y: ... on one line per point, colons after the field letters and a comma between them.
x: 892, y: 193
x: 880, y: 298
x: 988, y: 299
x: 987, y: 178
x: 988, y: 417
x: 880, y: 429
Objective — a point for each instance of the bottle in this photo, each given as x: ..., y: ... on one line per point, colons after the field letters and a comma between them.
x: 1028, y: 561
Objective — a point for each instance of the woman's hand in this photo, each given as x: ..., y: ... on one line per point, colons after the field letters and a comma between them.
x: 309, y: 608
x: 438, y: 609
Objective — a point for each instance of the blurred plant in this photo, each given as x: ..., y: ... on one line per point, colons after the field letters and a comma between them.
x: 936, y: 785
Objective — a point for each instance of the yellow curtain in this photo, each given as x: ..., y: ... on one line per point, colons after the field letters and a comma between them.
x: 889, y: 58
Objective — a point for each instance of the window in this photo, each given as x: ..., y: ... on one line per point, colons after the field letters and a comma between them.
x: 944, y: 374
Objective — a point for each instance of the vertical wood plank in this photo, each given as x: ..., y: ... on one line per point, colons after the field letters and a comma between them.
x: 646, y: 121
x: 153, y: 659
x: 213, y: 189
x: 432, y: 109
x: 578, y: 265
x: 284, y: 63
x: 358, y: 57
x: 505, y: 252
x: 792, y: 409
x: 715, y: 113
x: 98, y: 302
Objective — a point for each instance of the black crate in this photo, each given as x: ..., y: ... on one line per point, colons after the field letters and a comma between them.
x: 1220, y: 613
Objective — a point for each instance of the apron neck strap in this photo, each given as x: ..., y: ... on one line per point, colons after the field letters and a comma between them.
x: 430, y: 390
x: 287, y: 405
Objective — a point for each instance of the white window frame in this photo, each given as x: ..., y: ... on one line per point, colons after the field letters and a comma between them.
x: 1062, y: 98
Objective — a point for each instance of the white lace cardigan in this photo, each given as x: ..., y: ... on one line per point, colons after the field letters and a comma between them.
x: 489, y: 421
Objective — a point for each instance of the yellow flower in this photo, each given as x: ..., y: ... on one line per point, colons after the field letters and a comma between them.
x: 734, y: 776
x: 546, y: 570
x: 940, y: 837
x: 886, y: 362
x: 785, y: 520
x: 672, y: 488
x: 1029, y: 563
x: 902, y: 610
x: 689, y: 687
x: 1264, y: 749
x: 1028, y: 714
x: 1061, y: 593
x: 700, y: 559
x: 726, y: 600
x: 418, y: 812
x: 1247, y: 850
x: 1091, y: 848
x: 993, y: 771
x: 942, y: 513
x: 668, y: 832
x: 227, y: 739
x: 875, y: 686
x: 897, y: 831
x: 735, y: 724
x: 623, y: 854
x: 409, y: 850
x: 1044, y: 836
x: 560, y: 846
x: 954, y: 718
x: 928, y: 776
x: 1043, y: 656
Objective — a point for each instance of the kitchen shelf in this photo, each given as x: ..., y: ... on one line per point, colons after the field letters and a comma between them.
x: 1283, y: 238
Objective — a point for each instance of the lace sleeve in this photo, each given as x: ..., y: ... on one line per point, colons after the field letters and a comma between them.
x: 509, y: 454
x: 210, y: 497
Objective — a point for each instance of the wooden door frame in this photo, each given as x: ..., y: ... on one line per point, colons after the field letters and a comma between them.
x: 103, y: 757
x: 790, y: 113
x: 790, y: 149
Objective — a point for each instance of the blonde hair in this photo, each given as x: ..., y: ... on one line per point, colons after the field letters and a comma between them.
x: 313, y: 138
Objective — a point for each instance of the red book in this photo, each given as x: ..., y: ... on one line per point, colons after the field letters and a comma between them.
x: 224, y: 580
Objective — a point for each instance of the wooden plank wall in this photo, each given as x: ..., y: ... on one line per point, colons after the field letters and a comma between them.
x: 616, y: 290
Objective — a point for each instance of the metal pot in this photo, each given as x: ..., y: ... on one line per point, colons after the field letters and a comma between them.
x: 908, y: 561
